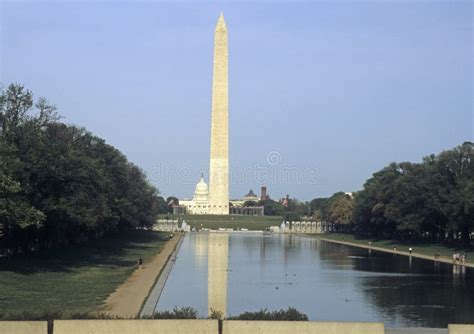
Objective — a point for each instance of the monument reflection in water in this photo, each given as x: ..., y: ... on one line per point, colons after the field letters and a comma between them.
x: 238, y: 272
x: 217, y: 258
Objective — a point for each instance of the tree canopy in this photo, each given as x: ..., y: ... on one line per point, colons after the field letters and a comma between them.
x: 60, y: 184
x: 433, y: 200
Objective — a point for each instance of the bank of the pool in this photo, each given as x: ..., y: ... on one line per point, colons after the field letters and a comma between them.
x: 129, y: 298
x: 387, y: 250
x: 149, y: 305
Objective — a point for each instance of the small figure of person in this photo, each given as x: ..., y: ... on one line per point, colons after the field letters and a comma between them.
x: 410, y: 250
x: 456, y: 258
x: 395, y: 248
x: 370, y: 243
x: 463, y: 258
x: 140, y: 263
x: 436, y: 255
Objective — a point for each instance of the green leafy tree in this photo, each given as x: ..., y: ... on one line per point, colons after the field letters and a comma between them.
x: 272, y: 208
x: 340, y: 210
x: 60, y: 184
x: 432, y: 200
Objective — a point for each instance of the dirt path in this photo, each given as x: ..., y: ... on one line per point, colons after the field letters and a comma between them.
x: 129, y: 297
x: 417, y: 255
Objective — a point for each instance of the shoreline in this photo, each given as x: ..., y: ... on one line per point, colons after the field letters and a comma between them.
x: 149, y: 305
x: 127, y: 300
x: 398, y: 252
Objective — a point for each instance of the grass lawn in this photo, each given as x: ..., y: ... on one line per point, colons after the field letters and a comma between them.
x: 228, y: 221
x: 73, y: 279
x: 418, y: 247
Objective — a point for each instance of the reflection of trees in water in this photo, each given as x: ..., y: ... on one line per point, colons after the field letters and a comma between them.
x: 423, y: 294
x: 430, y: 300
x: 334, y: 255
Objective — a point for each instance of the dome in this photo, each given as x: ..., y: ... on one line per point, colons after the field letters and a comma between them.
x: 251, y: 196
x: 202, y: 191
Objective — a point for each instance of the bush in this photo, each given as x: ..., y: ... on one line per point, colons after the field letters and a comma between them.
x: 215, y: 314
x: 177, y: 313
x: 290, y: 314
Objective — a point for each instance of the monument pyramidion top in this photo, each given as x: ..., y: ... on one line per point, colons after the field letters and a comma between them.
x: 221, y: 23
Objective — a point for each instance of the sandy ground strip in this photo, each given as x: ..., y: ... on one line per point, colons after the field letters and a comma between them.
x: 129, y: 297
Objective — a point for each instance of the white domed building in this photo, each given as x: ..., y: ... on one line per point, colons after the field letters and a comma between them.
x: 199, y: 205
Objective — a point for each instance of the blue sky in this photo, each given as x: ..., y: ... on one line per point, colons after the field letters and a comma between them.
x: 322, y: 93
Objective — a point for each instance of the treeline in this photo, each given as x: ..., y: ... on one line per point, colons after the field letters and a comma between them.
x: 432, y: 200
x: 289, y: 209
x: 59, y: 184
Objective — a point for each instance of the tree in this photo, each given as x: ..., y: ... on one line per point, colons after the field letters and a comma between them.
x: 60, y: 184
x: 430, y: 200
x: 455, y: 188
x: 272, y: 208
x: 162, y: 205
x: 340, y: 210
x: 319, y: 205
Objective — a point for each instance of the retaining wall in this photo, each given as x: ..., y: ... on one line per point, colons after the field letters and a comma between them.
x: 461, y: 329
x: 135, y: 327
x: 23, y: 327
x: 301, y: 327
x: 206, y: 327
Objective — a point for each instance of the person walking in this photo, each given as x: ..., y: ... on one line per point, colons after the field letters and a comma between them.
x: 410, y: 250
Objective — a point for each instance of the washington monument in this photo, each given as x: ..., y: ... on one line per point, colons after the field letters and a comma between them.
x: 219, y: 160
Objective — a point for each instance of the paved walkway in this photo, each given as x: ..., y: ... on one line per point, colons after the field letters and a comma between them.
x: 129, y: 297
x: 152, y: 300
x: 386, y: 250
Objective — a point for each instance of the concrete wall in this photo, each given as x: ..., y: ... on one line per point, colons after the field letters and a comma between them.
x: 202, y: 327
x: 23, y: 327
x: 461, y: 329
x: 301, y: 327
x: 135, y: 327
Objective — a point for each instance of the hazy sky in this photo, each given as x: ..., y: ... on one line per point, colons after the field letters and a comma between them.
x: 322, y: 94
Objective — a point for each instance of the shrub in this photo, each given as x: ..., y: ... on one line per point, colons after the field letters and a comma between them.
x: 177, y: 313
x: 290, y: 314
x: 215, y: 314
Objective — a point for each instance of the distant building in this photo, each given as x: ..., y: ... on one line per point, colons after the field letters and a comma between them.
x: 251, y: 196
x: 285, y: 200
x: 199, y: 204
x: 263, y: 193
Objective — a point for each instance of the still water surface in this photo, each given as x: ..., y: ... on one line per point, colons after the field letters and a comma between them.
x: 240, y: 272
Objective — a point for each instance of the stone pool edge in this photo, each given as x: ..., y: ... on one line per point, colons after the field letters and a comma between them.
x: 148, y: 307
x: 385, y: 250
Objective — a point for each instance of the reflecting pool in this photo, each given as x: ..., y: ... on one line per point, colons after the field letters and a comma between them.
x: 237, y: 272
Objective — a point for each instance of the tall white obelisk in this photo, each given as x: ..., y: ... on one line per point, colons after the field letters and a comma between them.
x: 219, y: 162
